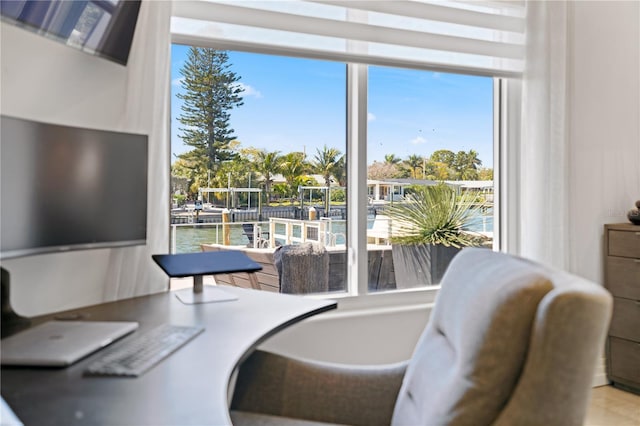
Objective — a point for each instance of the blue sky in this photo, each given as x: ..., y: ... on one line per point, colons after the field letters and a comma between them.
x: 293, y: 104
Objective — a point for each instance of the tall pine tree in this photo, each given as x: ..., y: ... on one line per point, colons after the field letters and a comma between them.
x: 211, y: 92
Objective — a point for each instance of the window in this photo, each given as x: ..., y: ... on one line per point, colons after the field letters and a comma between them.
x: 397, y: 107
x: 276, y: 174
x: 276, y: 167
x: 430, y: 168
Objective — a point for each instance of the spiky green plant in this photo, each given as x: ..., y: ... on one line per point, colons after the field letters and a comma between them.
x: 435, y: 215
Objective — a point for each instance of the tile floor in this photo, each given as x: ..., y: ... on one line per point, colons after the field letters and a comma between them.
x: 613, y: 407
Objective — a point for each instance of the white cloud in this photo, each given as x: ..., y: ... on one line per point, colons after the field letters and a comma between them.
x: 177, y: 81
x: 249, y: 90
x: 370, y: 116
x: 418, y: 141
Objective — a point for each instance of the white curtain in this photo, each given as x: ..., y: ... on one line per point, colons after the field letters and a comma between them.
x: 132, y: 271
x: 544, y: 168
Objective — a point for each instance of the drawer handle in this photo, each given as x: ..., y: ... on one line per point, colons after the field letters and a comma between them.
x: 636, y: 260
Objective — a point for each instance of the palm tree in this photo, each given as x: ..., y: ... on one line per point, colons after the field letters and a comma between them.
x: 392, y: 159
x: 467, y: 164
x: 325, y: 162
x: 414, y: 162
x: 268, y: 164
x: 293, y: 166
x: 473, y: 161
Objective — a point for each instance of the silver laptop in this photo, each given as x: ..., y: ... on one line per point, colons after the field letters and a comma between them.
x: 61, y: 343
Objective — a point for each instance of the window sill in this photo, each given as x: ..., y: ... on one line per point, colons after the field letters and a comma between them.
x: 381, y: 302
x: 349, y: 305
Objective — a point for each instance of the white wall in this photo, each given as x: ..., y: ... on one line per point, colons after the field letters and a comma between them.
x: 604, y: 108
x: 361, y: 336
x: 48, y: 81
x: 604, y: 129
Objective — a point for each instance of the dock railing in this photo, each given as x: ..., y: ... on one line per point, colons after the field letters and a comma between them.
x: 295, y: 231
x: 277, y: 231
x: 216, y: 234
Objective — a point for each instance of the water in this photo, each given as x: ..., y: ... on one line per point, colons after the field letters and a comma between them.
x: 482, y: 223
x: 189, y: 237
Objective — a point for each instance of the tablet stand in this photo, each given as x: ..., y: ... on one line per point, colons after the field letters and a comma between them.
x: 205, y: 263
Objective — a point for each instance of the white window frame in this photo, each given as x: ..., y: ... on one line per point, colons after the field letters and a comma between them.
x: 357, y: 296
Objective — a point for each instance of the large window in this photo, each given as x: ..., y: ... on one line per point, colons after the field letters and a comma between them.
x: 261, y: 158
x: 418, y: 124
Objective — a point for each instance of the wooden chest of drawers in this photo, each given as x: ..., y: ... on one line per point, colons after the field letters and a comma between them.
x: 622, y: 279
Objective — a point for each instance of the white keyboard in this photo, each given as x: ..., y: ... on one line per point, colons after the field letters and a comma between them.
x: 139, y: 353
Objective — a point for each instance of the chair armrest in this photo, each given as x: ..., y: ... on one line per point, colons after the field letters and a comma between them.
x: 357, y: 395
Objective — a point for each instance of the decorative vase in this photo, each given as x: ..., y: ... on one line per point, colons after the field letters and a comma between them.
x: 634, y: 214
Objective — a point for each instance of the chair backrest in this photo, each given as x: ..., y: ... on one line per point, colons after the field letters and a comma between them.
x: 508, y: 342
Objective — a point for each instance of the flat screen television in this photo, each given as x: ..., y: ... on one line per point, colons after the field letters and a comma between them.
x: 67, y: 188
x: 101, y: 27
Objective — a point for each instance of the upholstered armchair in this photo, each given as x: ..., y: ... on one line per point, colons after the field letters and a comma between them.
x: 509, y: 342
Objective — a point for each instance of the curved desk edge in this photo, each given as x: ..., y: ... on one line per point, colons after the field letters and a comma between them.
x: 331, y: 305
x: 190, y: 387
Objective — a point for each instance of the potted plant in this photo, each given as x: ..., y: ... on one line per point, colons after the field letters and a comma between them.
x: 428, y: 229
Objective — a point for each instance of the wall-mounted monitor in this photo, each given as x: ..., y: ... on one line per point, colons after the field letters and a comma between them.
x: 100, y: 27
x: 68, y: 188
